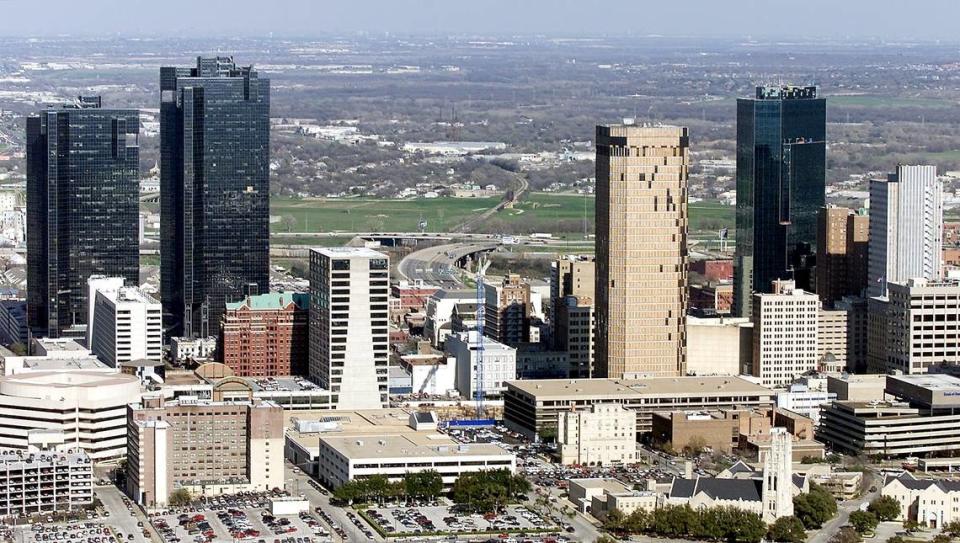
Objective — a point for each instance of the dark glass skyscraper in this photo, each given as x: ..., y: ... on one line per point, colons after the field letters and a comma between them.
x: 781, y: 182
x: 82, y: 208
x: 214, y: 191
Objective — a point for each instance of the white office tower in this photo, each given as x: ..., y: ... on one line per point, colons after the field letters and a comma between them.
x: 778, y: 476
x: 125, y: 324
x: 784, y: 334
x: 349, y: 332
x: 906, y: 228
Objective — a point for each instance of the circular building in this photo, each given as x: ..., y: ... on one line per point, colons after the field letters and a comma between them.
x: 85, y: 409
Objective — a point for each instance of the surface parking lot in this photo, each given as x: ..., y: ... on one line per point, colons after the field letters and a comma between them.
x: 401, y: 521
x: 74, y: 532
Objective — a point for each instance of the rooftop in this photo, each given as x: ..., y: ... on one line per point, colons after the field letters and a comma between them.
x: 348, y: 252
x: 938, y: 382
x: 604, y: 483
x: 416, y: 445
x: 272, y: 301
x: 627, y: 388
x: 40, y: 363
x: 16, y: 458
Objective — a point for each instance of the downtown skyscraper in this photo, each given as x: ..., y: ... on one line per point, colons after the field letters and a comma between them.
x: 82, y: 209
x: 641, y: 246
x: 214, y: 191
x: 781, y: 184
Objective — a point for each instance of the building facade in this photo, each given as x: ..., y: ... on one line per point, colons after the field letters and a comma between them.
x: 641, y: 247
x: 598, y: 436
x: 781, y: 182
x: 349, y: 328
x: 67, y: 409
x: 507, y: 311
x: 906, y: 231
x: 267, y: 335
x: 499, y: 364
x: 575, y: 334
x: 784, y: 333
x: 126, y: 324
x: 921, y: 325
x: 842, y: 262
x: 82, y: 209
x: 532, y: 407
x: 206, y: 447
x: 44, y: 481
x: 214, y: 191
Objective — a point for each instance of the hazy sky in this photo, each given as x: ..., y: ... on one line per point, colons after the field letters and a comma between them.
x: 896, y: 19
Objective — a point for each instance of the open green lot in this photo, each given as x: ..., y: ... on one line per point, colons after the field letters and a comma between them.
x: 556, y: 213
x: 367, y: 214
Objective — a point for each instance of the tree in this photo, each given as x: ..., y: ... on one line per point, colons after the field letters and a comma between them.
x: 952, y: 528
x: 846, y: 534
x: 613, y: 521
x: 425, y: 484
x: 787, y: 530
x: 863, y: 521
x: 674, y: 521
x: 895, y: 539
x: 484, y: 491
x: 911, y: 525
x: 885, y: 508
x: 941, y: 538
x: 695, y: 446
x: 815, y: 507
x: 179, y: 497
x: 636, y: 522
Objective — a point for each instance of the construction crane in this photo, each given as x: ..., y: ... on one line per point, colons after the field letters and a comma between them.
x: 482, y: 265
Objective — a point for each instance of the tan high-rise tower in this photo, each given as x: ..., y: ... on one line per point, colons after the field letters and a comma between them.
x: 641, y: 250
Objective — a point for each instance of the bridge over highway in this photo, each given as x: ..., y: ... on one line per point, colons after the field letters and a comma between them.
x: 435, y: 265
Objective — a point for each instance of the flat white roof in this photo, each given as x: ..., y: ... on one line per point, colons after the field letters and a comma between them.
x: 409, y: 446
x: 348, y: 252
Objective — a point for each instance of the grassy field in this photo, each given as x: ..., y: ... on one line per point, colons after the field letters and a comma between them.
x: 364, y: 215
x: 556, y: 213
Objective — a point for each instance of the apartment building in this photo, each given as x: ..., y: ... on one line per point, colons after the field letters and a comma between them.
x: 126, y: 324
x: 349, y: 330
x: 507, y: 310
x: 207, y: 447
x: 600, y: 435
x: 784, y: 333
x: 266, y: 335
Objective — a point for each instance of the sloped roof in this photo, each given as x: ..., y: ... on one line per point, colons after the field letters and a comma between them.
x: 272, y: 300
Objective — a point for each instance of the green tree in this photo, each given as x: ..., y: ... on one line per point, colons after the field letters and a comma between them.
x: 911, y: 525
x: 787, y: 530
x: 674, y: 521
x: 636, y: 522
x: 885, y: 508
x: 613, y: 521
x: 846, y: 534
x: 952, y: 528
x: 815, y: 507
x: 941, y: 538
x: 425, y: 484
x: 180, y: 497
x: 863, y: 521
x: 895, y: 539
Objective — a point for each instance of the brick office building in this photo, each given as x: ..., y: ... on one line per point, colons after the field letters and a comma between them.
x: 266, y: 335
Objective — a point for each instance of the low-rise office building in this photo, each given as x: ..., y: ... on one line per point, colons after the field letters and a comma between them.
x: 206, y: 447
x: 800, y: 399
x: 44, y: 481
x: 64, y: 410
x: 857, y: 387
x: 922, y: 421
x: 533, y: 407
x: 499, y: 363
x: 598, y: 436
x: 343, y: 458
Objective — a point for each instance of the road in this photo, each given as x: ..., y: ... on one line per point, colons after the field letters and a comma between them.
x: 436, y: 265
x: 522, y: 186
x: 299, y: 483
x: 832, y: 526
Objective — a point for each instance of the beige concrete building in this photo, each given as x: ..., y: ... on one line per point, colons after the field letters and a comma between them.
x: 532, y: 407
x: 922, y: 329
x: 507, y: 310
x: 206, y: 447
x: 726, y: 430
x: 641, y: 248
x: 572, y: 276
x: 933, y: 503
x: 719, y: 346
x: 842, y: 236
x: 784, y: 333
x: 857, y: 388
x: 575, y: 333
x: 602, y: 435
x: 832, y: 341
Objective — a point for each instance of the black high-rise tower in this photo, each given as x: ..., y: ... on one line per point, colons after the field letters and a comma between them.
x: 82, y: 209
x: 214, y: 191
x: 781, y: 183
